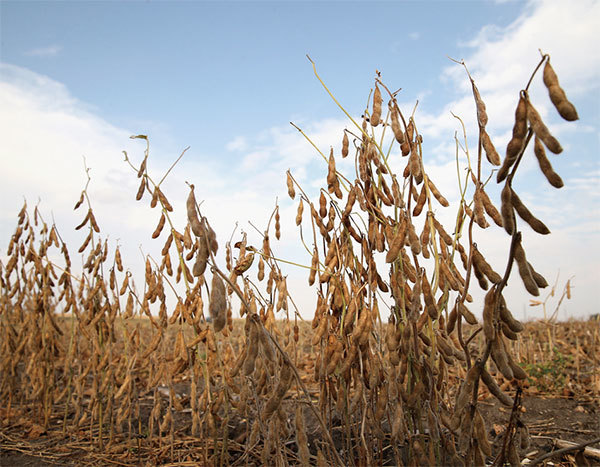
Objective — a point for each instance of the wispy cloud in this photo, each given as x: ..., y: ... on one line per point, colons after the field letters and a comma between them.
x: 414, y: 36
x: 47, y: 51
x: 239, y: 143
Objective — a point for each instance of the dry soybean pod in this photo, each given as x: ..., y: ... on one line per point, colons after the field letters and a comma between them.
x: 494, y: 389
x: 540, y: 280
x: 420, y: 202
x: 299, y: 212
x: 514, y: 145
x: 508, y: 318
x: 345, y: 145
x: 545, y: 166
x: 490, y: 151
x: 526, y: 215
x: 507, y: 210
x: 440, y: 229
x: 377, y: 101
x: 436, y: 193
x: 478, y: 209
x: 524, y: 271
x: 290, y: 185
x: 541, y: 130
x: 252, y: 344
x: 557, y: 94
x: 500, y: 357
x: 394, y: 111
x: 518, y: 372
x: 485, y: 267
x: 159, y: 227
x: 491, y: 209
x: 482, y: 117
x: 218, y: 304
x: 452, y: 320
x: 430, y: 304
x: 413, y: 239
x: 481, y: 433
x: 489, y: 329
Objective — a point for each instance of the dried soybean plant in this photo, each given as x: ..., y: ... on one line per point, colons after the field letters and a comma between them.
x: 107, y: 361
x: 388, y: 385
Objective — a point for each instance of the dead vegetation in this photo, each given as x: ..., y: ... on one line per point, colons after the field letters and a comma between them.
x: 130, y: 377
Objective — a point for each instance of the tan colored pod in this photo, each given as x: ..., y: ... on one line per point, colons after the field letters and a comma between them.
x: 490, y: 209
x: 420, y: 202
x: 290, y: 185
x: 482, y: 117
x: 494, y: 389
x: 467, y: 314
x: 377, y: 101
x: 481, y: 434
x: 508, y: 318
x: 252, y: 346
x: 557, y: 94
x: 436, y: 193
x: 518, y: 372
x: 540, y: 280
x: 507, y: 210
x: 394, y: 112
x: 516, y: 143
x: 452, y: 320
x: 345, y: 145
x: 489, y: 307
x: 526, y: 215
x: 500, y: 357
x: 525, y: 271
x: 490, y: 151
x: 545, y: 165
x: 485, y: 267
x: 218, y: 304
x: 541, y: 130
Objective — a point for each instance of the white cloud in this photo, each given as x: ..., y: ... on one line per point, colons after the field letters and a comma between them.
x: 239, y: 143
x: 414, y: 36
x: 47, y: 51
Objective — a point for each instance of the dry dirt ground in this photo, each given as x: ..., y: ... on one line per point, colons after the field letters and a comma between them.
x: 548, y: 419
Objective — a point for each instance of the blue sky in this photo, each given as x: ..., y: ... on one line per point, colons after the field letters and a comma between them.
x: 226, y: 78
x: 174, y: 65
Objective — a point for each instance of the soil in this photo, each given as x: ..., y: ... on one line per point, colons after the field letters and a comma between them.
x: 548, y: 419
